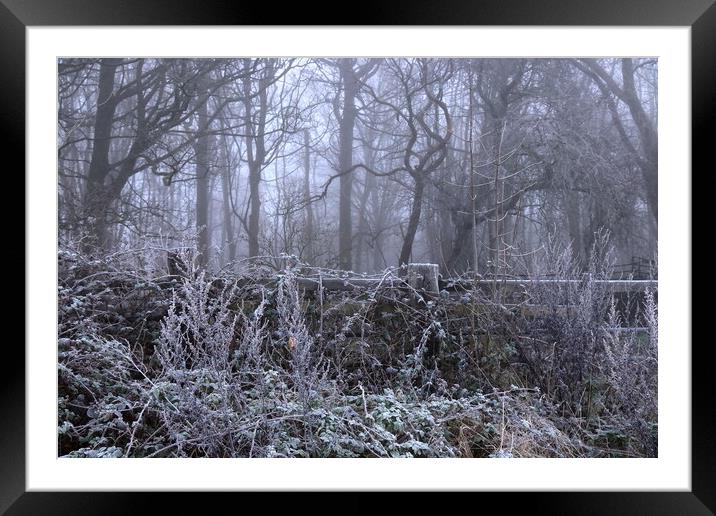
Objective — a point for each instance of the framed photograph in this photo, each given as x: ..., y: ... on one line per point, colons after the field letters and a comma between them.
x: 438, y: 249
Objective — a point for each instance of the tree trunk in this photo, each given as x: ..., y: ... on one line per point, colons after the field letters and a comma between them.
x: 362, y: 215
x: 310, y: 253
x: 648, y: 137
x: 255, y: 153
x: 97, y: 196
x: 498, y: 197
x: 574, y: 219
x: 255, y: 213
x: 379, y: 199
x: 471, y: 171
x: 650, y: 173
x: 648, y: 158
x: 201, y: 151
x: 345, y: 162
x: 413, y: 222
x: 226, y: 202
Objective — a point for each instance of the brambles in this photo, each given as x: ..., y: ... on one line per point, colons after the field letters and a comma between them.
x: 266, y: 365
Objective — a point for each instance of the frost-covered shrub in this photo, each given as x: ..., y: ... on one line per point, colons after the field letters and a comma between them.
x: 109, y: 296
x: 100, y: 391
x: 298, y: 339
x: 199, y: 329
x: 255, y: 364
x: 563, y: 346
x: 630, y: 371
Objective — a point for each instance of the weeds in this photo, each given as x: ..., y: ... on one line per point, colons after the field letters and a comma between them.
x: 153, y: 364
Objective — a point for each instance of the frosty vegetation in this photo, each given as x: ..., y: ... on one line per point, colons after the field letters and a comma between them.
x: 234, y: 236
x: 250, y: 365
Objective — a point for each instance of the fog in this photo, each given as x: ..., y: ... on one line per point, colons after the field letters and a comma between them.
x: 360, y: 164
x: 357, y: 258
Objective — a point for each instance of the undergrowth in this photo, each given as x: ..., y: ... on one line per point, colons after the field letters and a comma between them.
x: 264, y: 364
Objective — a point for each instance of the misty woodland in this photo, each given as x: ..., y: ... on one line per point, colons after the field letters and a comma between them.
x: 352, y: 257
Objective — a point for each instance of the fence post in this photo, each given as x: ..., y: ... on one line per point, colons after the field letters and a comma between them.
x: 423, y: 276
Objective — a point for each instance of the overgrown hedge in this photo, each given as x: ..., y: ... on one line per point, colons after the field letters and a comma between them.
x: 151, y: 365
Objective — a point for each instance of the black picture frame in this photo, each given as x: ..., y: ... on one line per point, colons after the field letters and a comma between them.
x: 16, y: 15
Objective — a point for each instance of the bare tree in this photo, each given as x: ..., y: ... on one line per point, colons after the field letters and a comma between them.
x: 467, y: 163
x: 267, y: 121
x: 351, y: 74
x: 161, y: 97
x: 310, y: 231
x: 201, y: 151
x: 645, y: 146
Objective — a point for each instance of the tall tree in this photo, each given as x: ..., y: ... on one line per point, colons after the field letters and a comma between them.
x: 351, y: 74
x: 309, y: 226
x: 422, y: 125
x: 135, y: 113
x: 268, y: 120
x: 227, y: 194
x: 255, y: 129
x: 645, y: 147
x: 201, y: 153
